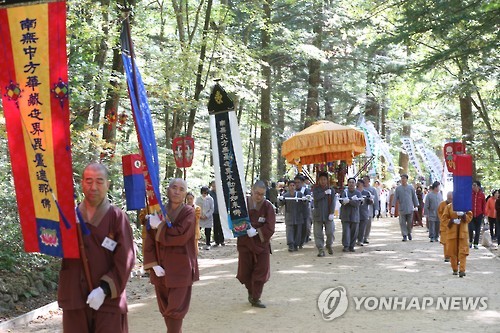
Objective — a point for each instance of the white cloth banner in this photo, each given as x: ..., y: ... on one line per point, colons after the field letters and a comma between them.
x: 409, y: 149
x: 374, y: 143
x: 431, y: 161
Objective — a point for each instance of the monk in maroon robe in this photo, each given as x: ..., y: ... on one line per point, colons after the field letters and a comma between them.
x: 110, y: 252
x: 170, y: 254
x: 254, y: 249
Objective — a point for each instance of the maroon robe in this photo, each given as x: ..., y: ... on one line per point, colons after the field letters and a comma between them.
x: 113, y: 267
x: 254, y: 253
x: 173, y: 249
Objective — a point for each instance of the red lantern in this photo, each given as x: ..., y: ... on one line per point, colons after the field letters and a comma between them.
x: 183, y: 148
x: 450, y: 149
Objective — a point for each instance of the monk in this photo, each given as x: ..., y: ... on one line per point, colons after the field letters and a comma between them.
x: 443, y: 225
x: 458, y: 238
x: 254, y: 249
x: 170, y: 254
x: 111, y: 257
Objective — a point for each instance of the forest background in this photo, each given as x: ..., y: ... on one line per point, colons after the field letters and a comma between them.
x: 421, y: 68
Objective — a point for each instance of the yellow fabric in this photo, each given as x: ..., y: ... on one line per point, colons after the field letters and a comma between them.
x: 323, y: 142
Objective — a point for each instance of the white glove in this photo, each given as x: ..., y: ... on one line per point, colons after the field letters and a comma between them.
x: 154, y: 221
x: 345, y: 200
x: 376, y: 212
x: 252, y: 232
x: 460, y: 213
x: 308, y: 197
x: 354, y: 197
x: 330, y: 217
x: 456, y: 221
x: 96, y: 298
x: 159, y: 271
x: 415, y: 209
x: 280, y: 198
x: 328, y: 192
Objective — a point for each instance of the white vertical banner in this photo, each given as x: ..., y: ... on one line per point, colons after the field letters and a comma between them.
x: 409, y: 149
x: 374, y: 143
x: 431, y: 161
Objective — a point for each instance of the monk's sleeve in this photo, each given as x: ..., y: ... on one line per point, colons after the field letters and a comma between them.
x: 468, y: 217
x: 149, y: 247
x: 267, y: 229
x: 123, y: 257
x: 180, y: 232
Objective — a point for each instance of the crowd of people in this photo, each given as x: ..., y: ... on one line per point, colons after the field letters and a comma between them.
x: 92, y: 289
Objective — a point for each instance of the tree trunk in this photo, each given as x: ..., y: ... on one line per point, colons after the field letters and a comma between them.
x: 314, y: 69
x: 198, y: 85
x: 265, y: 100
x: 327, y: 85
x: 280, y: 129
x: 111, y: 107
x: 406, y: 131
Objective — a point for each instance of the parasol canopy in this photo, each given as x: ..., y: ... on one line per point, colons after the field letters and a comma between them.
x: 322, y: 142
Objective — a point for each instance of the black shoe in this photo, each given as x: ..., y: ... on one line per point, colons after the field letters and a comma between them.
x: 223, y: 244
x: 258, y: 304
x: 409, y: 237
x: 301, y: 247
x: 455, y: 272
x: 250, y: 299
x: 216, y: 244
x: 404, y: 238
x: 366, y: 242
x: 446, y: 260
x: 351, y: 250
x: 461, y: 274
x: 290, y: 248
x: 321, y: 253
x: 330, y: 250
x: 345, y: 249
x: 432, y: 240
x: 295, y: 248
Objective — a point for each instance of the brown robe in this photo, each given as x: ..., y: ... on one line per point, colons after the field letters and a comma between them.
x: 443, y: 227
x: 254, y: 253
x: 173, y: 249
x: 113, y: 267
x: 457, y: 237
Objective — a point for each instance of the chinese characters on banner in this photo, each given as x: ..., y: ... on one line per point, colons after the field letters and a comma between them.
x: 228, y: 163
x: 409, y: 148
x: 33, y: 83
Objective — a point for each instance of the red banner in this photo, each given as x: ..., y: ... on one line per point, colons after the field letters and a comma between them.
x: 450, y: 149
x: 183, y: 148
x: 34, y: 88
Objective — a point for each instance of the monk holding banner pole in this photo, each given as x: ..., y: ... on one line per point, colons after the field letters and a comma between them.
x: 110, y: 255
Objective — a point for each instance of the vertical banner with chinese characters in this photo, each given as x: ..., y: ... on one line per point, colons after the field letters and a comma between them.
x: 228, y: 164
x: 409, y: 149
x: 33, y: 83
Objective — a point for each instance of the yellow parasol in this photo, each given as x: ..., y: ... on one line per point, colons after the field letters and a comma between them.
x: 324, y: 142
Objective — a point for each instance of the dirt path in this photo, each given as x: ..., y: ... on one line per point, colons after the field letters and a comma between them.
x: 386, y: 268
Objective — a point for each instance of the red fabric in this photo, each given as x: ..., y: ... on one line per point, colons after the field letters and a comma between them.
x: 91, y: 321
x: 112, y: 267
x: 254, y: 253
x: 478, y: 203
x: 463, y: 165
x: 174, y: 250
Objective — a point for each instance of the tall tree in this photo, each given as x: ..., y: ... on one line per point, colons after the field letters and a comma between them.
x: 314, y: 66
x: 265, y: 97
